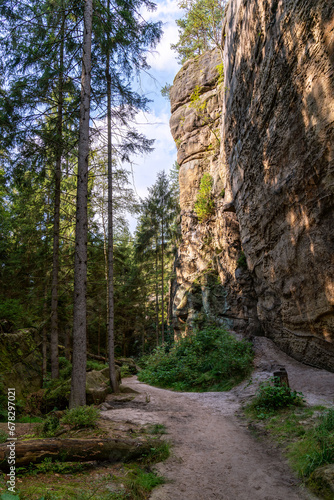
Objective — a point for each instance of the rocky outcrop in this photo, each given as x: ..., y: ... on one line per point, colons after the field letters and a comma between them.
x: 20, y: 362
x: 275, y: 169
x: 211, y: 280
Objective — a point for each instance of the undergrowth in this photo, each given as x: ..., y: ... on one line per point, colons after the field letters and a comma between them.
x: 209, y: 359
x: 3, y: 436
x: 81, y: 417
x: 56, y: 480
x: 305, y: 433
x: 271, y: 397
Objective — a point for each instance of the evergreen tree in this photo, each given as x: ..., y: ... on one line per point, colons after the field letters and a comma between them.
x: 121, y: 27
x: 78, y: 380
x: 200, y: 29
x: 154, y: 238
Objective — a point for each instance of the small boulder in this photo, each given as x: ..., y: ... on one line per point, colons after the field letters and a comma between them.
x: 96, y: 387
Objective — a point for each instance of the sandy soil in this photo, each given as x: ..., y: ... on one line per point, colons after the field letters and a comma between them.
x: 214, y: 455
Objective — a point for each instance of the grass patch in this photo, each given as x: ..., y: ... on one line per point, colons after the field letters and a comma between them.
x: 81, y: 417
x: 319, y: 446
x: 307, y: 437
x: 56, y: 467
x: 157, y: 454
x: 27, y: 419
x: 3, y: 436
x: 208, y: 359
x: 156, y: 429
x: 132, y: 481
x: 141, y: 482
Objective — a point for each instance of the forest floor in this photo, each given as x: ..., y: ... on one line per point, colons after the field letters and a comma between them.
x: 215, y: 453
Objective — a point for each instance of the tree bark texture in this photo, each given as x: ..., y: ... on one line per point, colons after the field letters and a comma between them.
x: 78, y: 383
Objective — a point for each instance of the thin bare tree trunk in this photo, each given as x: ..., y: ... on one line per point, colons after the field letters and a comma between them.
x: 78, y: 382
x: 68, y: 348
x: 162, y: 282
x: 45, y: 336
x: 56, y: 221
x: 111, y: 333
x: 156, y: 294
x: 106, y: 273
x: 99, y: 335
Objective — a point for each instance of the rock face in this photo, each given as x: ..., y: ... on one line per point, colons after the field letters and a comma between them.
x: 211, y: 281
x: 20, y: 362
x: 273, y: 177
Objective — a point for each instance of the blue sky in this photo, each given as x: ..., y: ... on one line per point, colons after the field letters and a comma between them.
x: 155, y: 124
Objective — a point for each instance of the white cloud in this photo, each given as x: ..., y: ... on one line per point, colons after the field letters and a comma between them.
x: 164, y: 58
x: 165, y: 10
x: 154, y: 126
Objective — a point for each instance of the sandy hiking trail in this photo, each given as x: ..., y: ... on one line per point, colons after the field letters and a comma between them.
x: 214, y: 454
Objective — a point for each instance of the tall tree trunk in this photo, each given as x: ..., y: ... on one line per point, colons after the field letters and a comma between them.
x: 68, y: 348
x: 106, y: 274
x: 156, y: 293
x: 111, y: 333
x: 78, y: 382
x: 56, y: 221
x: 99, y: 335
x: 162, y: 282
x: 45, y: 336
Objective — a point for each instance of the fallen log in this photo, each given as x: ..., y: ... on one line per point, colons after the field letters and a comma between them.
x: 72, y: 450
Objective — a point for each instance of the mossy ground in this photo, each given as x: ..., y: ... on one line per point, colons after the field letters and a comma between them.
x: 83, y: 481
x: 105, y: 482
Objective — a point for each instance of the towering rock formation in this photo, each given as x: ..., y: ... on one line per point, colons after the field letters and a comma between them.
x: 273, y: 180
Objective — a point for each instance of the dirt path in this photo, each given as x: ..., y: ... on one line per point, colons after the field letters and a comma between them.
x: 214, y: 455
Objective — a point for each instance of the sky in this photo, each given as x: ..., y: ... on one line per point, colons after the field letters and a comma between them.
x: 155, y: 124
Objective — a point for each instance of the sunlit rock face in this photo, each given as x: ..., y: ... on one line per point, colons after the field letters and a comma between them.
x: 210, y: 281
x: 275, y: 168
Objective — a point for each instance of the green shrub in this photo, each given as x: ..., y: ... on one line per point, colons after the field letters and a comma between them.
x: 210, y: 358
x: 95, y: 365
x: 82, y: 416
x: 126, y: 371
x: 3, y: 436
x: 270, y: 398
x: 65, y: 368
x: 204, y: 205
x: 50, y: 426
x: 28, y: 419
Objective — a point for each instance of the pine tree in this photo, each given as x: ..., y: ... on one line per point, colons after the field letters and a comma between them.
x: 154, y: 236
x: 200, y: 29
x: 78, y: 380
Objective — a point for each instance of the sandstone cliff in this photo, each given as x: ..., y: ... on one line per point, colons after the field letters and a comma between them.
x: 263, y: 260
